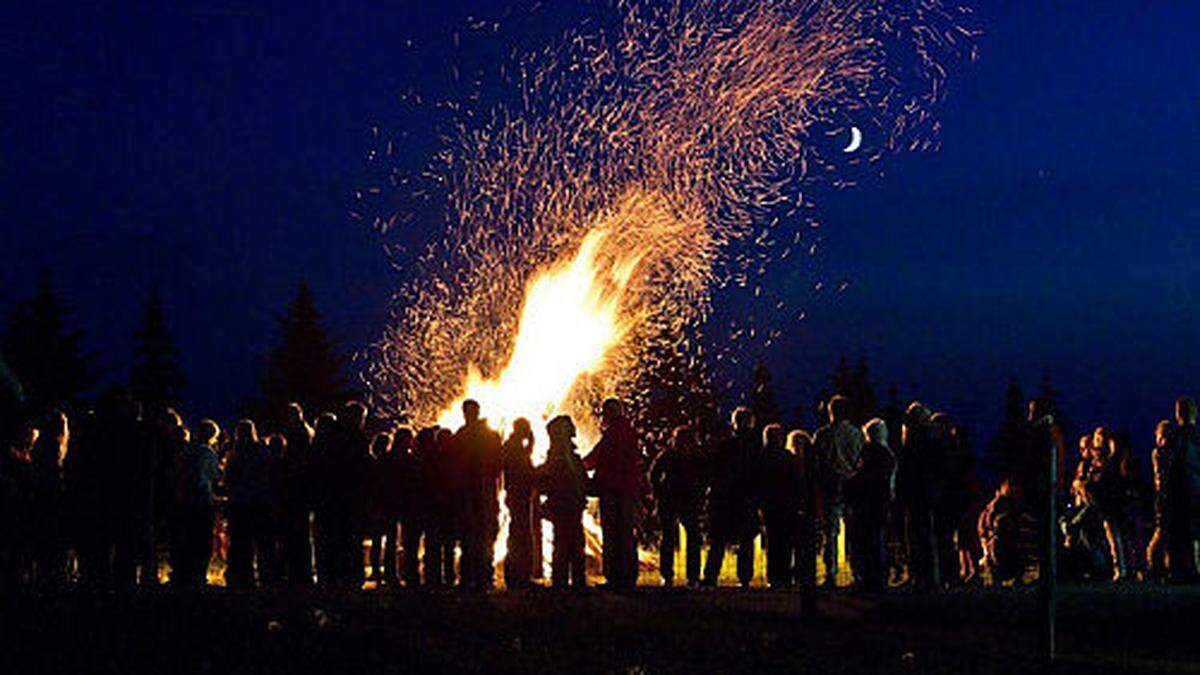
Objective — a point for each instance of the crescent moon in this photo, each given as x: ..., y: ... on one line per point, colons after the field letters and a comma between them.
x: 855, y: 140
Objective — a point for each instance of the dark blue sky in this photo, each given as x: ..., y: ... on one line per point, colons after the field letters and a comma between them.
x: 213, y: 149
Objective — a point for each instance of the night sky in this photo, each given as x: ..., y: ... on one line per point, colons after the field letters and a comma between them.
x: 213, y: 150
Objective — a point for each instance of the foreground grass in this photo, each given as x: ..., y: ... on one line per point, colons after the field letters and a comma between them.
x: 651, y: 630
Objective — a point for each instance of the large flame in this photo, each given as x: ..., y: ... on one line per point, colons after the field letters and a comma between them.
x: 575, y: 318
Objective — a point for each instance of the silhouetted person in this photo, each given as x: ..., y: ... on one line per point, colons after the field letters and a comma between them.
x: 135, y: 471
x: 946, y: 495
x: 915, y: 478
x: 870, y: 494
x: 781, y: 482
x: 1166, y: 506
x: 999, y: 535
x: 800, y: 445
x: 422, y: 513
x: 617, y: 463
x: 478, y: 447
x: 322, y: 490
x: 385, y: 481
x: 677, y: 477
x: 350, y: 493
x: 166, y: 434
x: 295, y: 496
x: 446, y: 483
x: 49, y: 507
x: 838, y: 446
x: 733, y: 502
x: 1183, y: 549
x: 91, y: 502
x: 249, y: 484
x: 519, y: 492
x: 17, y: 499
x: 197, y: 475
x: 563, y: 481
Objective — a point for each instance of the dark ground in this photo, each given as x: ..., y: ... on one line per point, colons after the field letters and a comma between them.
x: 1104, y: 629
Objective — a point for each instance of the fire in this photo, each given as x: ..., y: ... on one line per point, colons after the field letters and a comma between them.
x: 643, y: 168
x: 570, y: 320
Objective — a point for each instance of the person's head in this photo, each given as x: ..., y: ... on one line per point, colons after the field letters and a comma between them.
x: 1185, y: 410
x: 470, y: 411
x: 683, y: 438
x: 426, y: 440
x: 611, y: 411
x: 743, y: 420
x: 354, y: 414
x: 799, y: 442
x: 294, y: 413
x: 1164, y: 433
x: 1085, y: 446
x: 839, y: 408
x: 561, y: 431
x: 773, y: 437
x: 245, y: 433
x: 1006, y: 488
x: 277, y: 445
x: 402, y: 439
x: 26, y: 438
x: 876, y: 431
x: 521, y: 428
x: 381, y: 445
x: 326, y: 423
x: 939, y: 423
x: 208, y: 432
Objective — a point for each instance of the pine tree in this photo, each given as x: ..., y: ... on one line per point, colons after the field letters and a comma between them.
x: 156, y: 379
x: 853, y: 382
x: 304, y: 366
x: 1006, y: 447
x: 44, y: 353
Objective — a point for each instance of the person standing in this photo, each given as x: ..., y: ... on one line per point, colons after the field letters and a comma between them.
x: 617, y: 463
x: 781, y: 481
x: 196, y: 477
x: 563, y: 480
x: 517, y: 465
x: 1165, y: 510
x: 295, y: 514
x: 870, y: 493
x: 50, y: 541
x: 733, y: 507
x: 248, y: 484
x: 677, y: 477
x: 478, y: 447
x: 1183, y: 552
x: 838, y: 446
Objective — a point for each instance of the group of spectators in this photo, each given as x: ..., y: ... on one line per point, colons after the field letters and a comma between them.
x: 1117, y: 526
x: 122, y: 497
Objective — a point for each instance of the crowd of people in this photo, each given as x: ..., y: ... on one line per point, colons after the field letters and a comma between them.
x: 121, y: 497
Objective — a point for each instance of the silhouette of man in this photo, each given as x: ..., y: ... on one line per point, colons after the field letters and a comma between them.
x: 781, y: 506
x: 733, y: 506
x: 296, y: 499
x: 617, y: 463
x: 517, y: 465
x: 838, y: 447
x: 197, y: 474
x: 677, y: 476
x: 870, y: 493
x: 1186, y: 478
x: 479, y: 447
x: 563, y: 480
